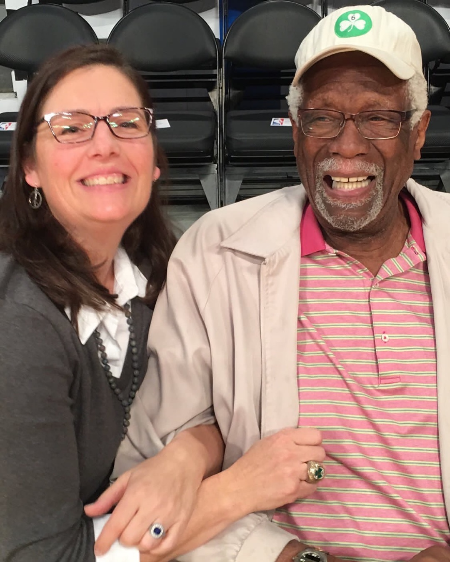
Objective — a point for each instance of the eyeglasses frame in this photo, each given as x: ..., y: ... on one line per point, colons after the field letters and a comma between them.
x: 405, y: 116
x: 48, y: 117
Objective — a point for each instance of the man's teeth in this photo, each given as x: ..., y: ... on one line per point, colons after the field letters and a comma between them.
x: 349, y: 183
x: 104, y: 180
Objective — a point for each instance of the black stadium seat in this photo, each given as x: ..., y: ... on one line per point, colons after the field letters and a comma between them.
x: 176, y: 50
x: 30, y: 35
x: 259, y: 51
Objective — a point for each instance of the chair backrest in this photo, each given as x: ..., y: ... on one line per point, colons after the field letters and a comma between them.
x: 34, y: 33
x: 165, y: 38
x: 429, y: 26
x: 269, y: 34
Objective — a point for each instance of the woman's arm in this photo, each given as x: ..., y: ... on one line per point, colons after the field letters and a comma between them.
x: 41, y: 512
x: 162, y: 489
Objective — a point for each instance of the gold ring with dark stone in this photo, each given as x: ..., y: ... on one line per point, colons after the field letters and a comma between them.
x: 314, y: 472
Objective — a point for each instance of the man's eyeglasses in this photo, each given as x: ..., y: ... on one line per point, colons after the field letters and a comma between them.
x: 373, y: 125
x: 78, y: 126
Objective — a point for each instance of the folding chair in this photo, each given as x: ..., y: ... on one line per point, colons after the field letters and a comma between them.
x: 178, y: 53
x: 259, y: 52
x: 29, y: 36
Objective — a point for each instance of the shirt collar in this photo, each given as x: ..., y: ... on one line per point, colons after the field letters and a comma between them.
x: 313, y: 240
x: 129, y: 283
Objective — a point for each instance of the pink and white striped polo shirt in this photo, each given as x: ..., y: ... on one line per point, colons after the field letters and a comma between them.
x: 367, y: 379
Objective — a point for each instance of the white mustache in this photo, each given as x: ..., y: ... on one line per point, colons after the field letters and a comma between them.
x: 331, y: 165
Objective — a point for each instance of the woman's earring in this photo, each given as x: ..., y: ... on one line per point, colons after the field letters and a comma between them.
x: 35, y: 198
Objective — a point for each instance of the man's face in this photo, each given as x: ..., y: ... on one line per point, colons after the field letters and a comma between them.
x: 353, y: 82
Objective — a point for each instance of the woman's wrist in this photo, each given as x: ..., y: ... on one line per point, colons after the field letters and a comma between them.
x: 200, y: 449
x: 178, y: 453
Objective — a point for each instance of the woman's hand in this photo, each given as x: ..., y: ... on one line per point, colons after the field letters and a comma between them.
x: 272, y: 472
x: 161, y: 490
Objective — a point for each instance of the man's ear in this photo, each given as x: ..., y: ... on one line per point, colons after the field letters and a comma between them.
x: 31, y: 174
x: 421, y: 133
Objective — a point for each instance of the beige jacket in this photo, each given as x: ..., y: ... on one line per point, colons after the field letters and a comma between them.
x: 224, y: 334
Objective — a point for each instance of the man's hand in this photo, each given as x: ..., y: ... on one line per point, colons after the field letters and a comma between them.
x: 273, y: 471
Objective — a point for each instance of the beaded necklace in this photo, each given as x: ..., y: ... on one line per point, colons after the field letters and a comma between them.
x: 125, y: 401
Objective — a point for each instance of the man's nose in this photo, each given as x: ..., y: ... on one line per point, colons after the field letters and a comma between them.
x: 349, y: 143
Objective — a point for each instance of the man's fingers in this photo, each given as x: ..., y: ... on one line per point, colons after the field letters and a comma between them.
x: 108, y: 499
x: 307, y: 436
x: 114, y: 528
x: 311, y: 453
x: 306, y: 488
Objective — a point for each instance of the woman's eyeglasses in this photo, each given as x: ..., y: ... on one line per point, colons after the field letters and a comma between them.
x: 77, y: 126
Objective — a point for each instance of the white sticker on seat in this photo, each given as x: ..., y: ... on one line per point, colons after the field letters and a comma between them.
x: 162, y: 123
x: 280, y: 122
x: 7, y: 126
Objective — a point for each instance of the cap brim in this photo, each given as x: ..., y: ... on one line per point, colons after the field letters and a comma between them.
x: 398, y: 67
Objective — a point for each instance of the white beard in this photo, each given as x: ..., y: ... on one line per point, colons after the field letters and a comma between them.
x: 341, y: 221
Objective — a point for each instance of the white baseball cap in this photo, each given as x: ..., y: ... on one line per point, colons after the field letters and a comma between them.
x: 370, y: 29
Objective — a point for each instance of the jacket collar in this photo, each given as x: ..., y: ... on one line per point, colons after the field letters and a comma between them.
x: 273, y: 225
x: 435, y: 210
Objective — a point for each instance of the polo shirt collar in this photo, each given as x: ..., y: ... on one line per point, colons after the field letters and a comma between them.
x: 313, y: 240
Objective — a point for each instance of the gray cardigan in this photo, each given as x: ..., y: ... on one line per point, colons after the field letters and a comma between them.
x: 60, y: 424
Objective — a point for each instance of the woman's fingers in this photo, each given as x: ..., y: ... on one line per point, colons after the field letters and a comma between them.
x: 161, y: 546
x: 109, y: 498
x: 138, y: 530
x: 120, y: 518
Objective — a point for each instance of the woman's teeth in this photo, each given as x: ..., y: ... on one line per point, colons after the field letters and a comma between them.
x: 349, y: 184
x: 104, y: 180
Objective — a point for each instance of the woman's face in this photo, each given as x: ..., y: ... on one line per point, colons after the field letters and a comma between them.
x: 102, y: 183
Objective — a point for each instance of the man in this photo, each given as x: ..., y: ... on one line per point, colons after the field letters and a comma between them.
x: 325, y: 305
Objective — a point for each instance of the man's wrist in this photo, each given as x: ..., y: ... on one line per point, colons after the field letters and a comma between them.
x: 295, y: 547
x: 311, y: 554
x: 290, y: 550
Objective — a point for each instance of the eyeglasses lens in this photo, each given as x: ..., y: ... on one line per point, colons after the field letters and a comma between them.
x: 72, y: 127
x: 130, y: 123
x: 382, y: 124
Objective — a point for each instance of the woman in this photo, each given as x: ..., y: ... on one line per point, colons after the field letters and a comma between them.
x: 83, y: 255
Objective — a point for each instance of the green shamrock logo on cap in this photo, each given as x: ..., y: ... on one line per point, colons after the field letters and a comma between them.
x: 353, y: 24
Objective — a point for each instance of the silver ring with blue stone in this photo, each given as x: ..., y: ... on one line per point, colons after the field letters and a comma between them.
x: 157, y: 531
x: 315, y: 471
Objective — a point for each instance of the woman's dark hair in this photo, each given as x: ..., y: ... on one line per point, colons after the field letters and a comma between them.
x: 38, y: 241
